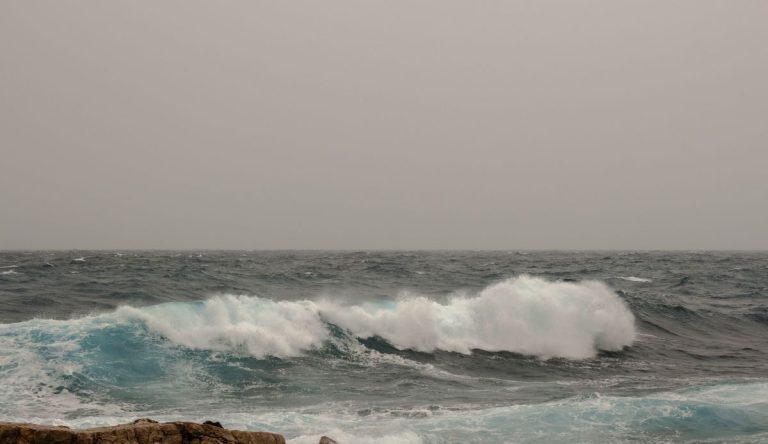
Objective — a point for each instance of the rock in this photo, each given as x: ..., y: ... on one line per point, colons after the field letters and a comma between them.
x: 141, y: 431
x: 214, y: 423
x: 327, y: 440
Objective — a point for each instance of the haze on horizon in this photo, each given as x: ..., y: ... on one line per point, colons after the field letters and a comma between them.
x: 384, y: 125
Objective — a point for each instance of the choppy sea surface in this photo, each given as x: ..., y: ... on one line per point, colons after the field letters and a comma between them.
x: 399, y: 347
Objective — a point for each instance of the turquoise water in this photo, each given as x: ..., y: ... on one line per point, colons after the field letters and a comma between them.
x: 393, y: 347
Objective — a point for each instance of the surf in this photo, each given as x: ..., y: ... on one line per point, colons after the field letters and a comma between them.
x: 524, y: 314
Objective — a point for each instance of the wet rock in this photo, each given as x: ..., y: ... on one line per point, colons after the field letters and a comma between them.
x: 327, y: 440
x: 141, y: 431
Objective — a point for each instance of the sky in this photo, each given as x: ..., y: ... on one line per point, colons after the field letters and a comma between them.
x: 359, y: 124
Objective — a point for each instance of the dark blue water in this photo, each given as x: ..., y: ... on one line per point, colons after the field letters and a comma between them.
x: 393, y: 346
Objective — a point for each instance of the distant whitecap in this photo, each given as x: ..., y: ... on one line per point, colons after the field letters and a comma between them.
x: 635, y: 279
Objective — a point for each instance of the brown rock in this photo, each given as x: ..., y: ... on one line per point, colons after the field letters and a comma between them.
x: 141, y: 431
x: 327, y: 440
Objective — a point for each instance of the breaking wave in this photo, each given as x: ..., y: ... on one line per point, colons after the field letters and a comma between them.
x: 244, y: 324
x: 524, y: 315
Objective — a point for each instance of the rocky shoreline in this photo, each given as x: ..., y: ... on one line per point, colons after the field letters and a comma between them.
x: 141, y: 431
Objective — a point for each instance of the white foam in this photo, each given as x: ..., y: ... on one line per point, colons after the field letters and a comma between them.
x: 32, y: 384
x: 11, y: 271
x: 634, y: 279
x: 345, y: 437
x: 674, y: 416
x: 256, y: 326
x: 9, y: 266
x: 525, y: 315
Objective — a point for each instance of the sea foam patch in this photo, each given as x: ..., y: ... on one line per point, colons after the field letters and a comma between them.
x: 718, y: 413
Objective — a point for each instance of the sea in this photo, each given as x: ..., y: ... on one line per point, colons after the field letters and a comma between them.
x: 393, y: 346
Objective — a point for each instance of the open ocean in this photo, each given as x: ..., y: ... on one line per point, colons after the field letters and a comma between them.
x: 393, y: 347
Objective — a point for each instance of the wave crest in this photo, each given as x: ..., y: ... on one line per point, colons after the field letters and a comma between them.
x: 524, y: 315
x: 256, y: 326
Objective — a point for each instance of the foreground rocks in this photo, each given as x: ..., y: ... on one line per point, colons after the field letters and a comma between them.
x: 141, y: 431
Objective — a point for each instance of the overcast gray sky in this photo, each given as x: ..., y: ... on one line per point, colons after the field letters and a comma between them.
x: 578, y: 124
